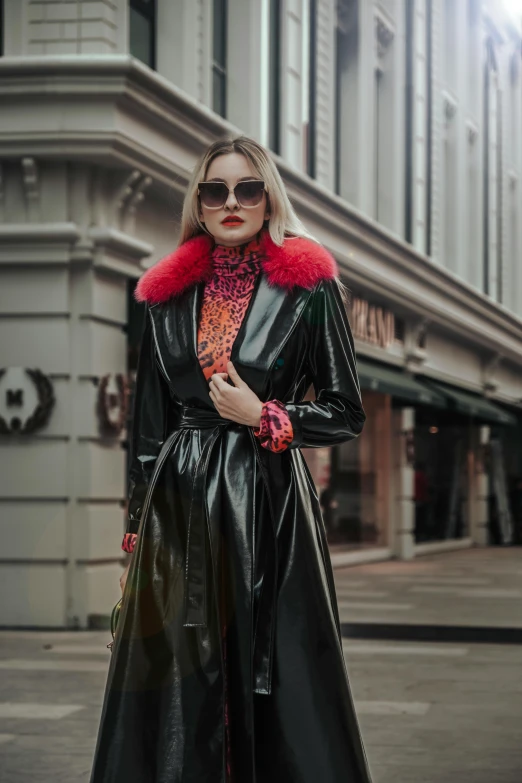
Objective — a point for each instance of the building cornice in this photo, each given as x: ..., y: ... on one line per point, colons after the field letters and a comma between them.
x: 115, y: 111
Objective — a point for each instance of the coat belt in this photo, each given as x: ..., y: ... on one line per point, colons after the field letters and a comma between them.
x: 195, y: 592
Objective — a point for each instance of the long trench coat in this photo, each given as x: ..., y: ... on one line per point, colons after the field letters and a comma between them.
x: 212, y: 508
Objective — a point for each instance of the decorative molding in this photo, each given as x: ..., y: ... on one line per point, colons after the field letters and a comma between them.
x: 492, y: 25
x: 137, y: 197
x: 384, y: 33
x: 472, y: 131
x: 31, y: 184
x: 346, y: 16
x: 177, y: 131
x: 124, y: 192
x: 112, y: 407
x: 489, y: 383
x: 120, y: 243
x: 37, y: 243
x: 129, y: 194
x: 25, y: 233
x: 414, y: 354
x: 450, y: 105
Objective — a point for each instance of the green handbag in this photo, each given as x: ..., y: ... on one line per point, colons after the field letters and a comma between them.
x: 115, y: 614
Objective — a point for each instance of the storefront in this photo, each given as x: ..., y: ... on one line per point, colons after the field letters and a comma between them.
x: 447, y: 451
x: 356, y: 503
x: 433, y: 468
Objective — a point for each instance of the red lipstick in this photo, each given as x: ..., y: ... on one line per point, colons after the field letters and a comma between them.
x: 234, y: 221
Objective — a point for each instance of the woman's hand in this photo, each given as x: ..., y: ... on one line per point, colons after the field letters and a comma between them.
x: 237, y: 403
x: 123, y: 579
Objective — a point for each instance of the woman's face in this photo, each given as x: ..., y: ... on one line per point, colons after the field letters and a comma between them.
x: 231, y: 168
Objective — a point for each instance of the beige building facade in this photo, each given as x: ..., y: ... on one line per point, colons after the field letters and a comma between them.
x: 396, y: 126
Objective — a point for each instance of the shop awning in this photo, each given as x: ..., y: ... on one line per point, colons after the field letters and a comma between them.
x: 473, y: 405
x: 400, y: 384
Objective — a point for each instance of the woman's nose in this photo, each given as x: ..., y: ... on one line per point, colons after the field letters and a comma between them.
x: 232, y: 201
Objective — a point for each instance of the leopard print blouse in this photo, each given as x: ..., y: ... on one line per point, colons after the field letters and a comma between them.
x: 226, y: 298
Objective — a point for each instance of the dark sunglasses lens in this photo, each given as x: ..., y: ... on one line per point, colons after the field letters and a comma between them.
x: 213, y: 194
x: 249, y: 194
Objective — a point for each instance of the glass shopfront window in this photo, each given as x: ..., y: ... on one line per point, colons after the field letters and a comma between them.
x: 356, y: 503
x: 441, y: 487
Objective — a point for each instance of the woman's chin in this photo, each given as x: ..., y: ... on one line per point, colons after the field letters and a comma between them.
x: 234, y: 235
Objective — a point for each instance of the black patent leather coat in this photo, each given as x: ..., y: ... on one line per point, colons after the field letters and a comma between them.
x: 208, y: 503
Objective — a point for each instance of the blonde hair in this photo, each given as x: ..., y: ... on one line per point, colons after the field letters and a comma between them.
x: 283, y: 222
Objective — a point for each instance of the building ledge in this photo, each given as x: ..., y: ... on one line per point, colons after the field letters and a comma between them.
x: 112, y: 110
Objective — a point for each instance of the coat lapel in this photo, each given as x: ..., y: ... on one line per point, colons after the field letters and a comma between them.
x: 174, y: 290
x: 175, y: 322
x: 272, y: 316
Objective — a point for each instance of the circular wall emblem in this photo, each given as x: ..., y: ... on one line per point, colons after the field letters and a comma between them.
x: 26, y: 400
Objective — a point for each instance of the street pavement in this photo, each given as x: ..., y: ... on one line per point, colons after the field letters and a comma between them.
x: 430, y: 711
x: 433, y: 711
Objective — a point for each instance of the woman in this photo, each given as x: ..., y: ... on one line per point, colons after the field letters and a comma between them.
x: 227, y: 663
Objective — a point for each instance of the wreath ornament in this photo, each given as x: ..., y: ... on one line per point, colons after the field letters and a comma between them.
x: 112, y: 408
x: 42, y: 412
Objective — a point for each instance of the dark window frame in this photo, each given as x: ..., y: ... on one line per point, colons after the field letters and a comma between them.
x: 274, y: 70
x: 485, y: 227
x: 220, y: 69
x: 409, y: 194
x: 311, y: 135
x: 429, y: 126
x: 337, y: 109
x: 148, y: 10
x: 490, y: 66
x: 2, y: 28
x: 408, y: 136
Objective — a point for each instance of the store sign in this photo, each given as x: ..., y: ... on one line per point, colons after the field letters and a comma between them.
x: 372, y: 324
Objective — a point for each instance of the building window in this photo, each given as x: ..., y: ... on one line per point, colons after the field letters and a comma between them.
x: 356, y: 502
x: 219, y: 58
x: 384, y: 114
x: 492, y: 183
x: 417, y: 120
x: 346, y: 97
x: 274, y: 83
x: 311, y: 39
x: 513, y: 283
x: 142, y: 31
x: 472, y: 204
x: 451, y: 43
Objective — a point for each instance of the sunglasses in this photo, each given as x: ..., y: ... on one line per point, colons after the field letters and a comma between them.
x: 214, y: 195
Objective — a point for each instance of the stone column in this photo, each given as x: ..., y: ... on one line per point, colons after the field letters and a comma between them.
x: 247, y: 67
x: 325, y: 93
x: 402, y: 538
x: 437, y: 126
x: 66, y: 253
x: 50, y: 27
x: 479, y: 491
x: 184, y: 46
x: 365, y: 109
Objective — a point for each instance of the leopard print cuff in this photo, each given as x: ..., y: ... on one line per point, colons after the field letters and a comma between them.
x: 275, y: 432
x: 129, y: 542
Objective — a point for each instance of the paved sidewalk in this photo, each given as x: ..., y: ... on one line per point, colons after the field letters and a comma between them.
x: 437, y: 712
x: 430, y: 712
x: 472, y: 587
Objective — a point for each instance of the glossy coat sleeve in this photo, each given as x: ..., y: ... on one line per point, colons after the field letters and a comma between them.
x: 337, y: 414
x: 147, y: 431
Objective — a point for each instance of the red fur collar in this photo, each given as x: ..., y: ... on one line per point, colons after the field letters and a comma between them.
x: 298, y: 262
